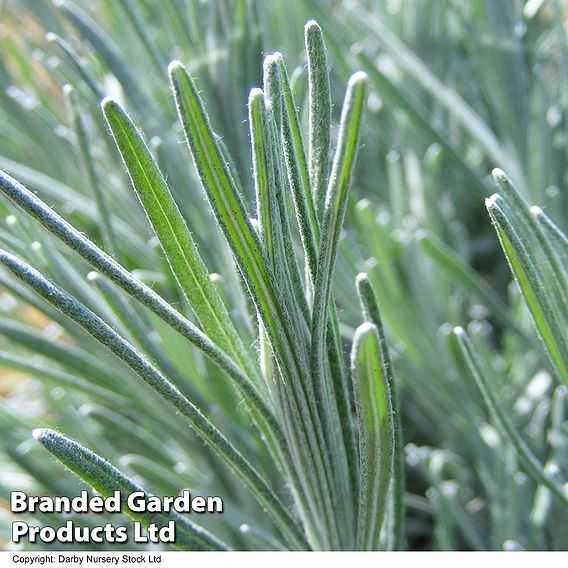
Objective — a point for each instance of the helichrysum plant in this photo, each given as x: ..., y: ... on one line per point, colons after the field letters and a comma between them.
x: 278, y: 284
x: 335, y: 459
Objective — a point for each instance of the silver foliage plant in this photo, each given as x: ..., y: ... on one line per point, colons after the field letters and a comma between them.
x: 299, y: 393
x: 252, y: 316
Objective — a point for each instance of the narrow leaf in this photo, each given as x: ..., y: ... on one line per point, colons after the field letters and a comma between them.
x: 272, y: 211
x: 551, y: 257
x: 104, y: 478
x: 223, y: 196
x: 249, y: 255
x: 534, y: 468
x: 24, y: 198
x: 297, y: 167
x: 319, y: 105
x: 336, y: 203
x: 154, y: 378
x: 61, y: 378
x: 104, y: 217
x: 376, y: 434
x: 172, y: 232
x: 263, y: 172
x: 533, y: 288
x: 371, y: 313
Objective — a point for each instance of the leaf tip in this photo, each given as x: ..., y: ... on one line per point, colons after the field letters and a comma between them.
x: 363, y: 330
x: 41, y: 434
x: 256, y: 94
x: 361, y: 278
x: 502, y: 180
x: 458, y: 331
x: 312, y: 27
x: 358, y: 79
x: 492, y: 201
x: 498, y: 173
x: 175, y: 67
x: 421, y: 235
x: 108, y: 103
x: 272, y: 58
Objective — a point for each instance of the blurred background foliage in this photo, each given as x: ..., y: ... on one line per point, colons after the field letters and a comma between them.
x: 457, y: 88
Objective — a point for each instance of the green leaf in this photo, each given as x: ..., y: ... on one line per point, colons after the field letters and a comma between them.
x: 376, y: 434
x: 459, y: 270
x: 552, y: 255
x: 250, y: 257
x: 139, y: 291
x: 371, y: 313
x: 535, y: 290
x: 296, y: 165
x: 319, y: 105
x: 223, y: 196
x: 63, y: 379
x: 534, y: 468
x: 272, y: 211
x: 331, y: 400
x: 104, y: 478
x: 154, y: 378
x: 104, y: 218
x: 176, y: 241
x: 263, y: 173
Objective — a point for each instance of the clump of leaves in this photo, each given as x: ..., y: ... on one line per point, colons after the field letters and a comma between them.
x: 537, y: 253
x: 299, y: 390
x: 456, y: 89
